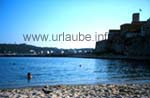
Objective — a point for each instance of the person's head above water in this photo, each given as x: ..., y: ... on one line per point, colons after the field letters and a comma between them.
x: 29, y: 76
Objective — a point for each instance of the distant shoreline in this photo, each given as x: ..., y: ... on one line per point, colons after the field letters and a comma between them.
x: 119, y: 57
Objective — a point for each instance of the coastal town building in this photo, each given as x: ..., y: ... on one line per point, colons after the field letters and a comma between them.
x: 101, y: 46
x: 130, y: 39
x: 145, y: 29
x: 113, y: 34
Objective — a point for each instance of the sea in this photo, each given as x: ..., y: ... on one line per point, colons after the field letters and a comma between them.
x: 70, y: 71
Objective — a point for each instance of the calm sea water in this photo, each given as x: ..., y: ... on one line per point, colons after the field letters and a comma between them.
x: 61, y: 70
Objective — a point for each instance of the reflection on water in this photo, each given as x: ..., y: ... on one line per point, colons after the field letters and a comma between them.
x: 70, y: 71
x: 125, y: 71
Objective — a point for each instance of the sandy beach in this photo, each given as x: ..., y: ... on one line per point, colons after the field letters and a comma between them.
x: 80, y: 91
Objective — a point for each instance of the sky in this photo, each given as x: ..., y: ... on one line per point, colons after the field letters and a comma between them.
x: 21, y: 17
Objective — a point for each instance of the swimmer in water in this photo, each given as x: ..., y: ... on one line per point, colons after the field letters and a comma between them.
x: 29, y: 76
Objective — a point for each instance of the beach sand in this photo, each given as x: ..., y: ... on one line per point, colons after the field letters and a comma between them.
x: 80, y: 91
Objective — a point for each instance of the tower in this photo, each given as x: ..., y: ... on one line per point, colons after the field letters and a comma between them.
x: 135, y: 17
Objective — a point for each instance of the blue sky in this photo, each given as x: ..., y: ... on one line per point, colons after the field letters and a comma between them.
x: 18, y: 17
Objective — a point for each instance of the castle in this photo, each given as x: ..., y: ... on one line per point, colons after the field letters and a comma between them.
x: 132, y: 39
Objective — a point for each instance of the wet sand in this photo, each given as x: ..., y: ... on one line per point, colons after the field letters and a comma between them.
x: 80, y: 91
